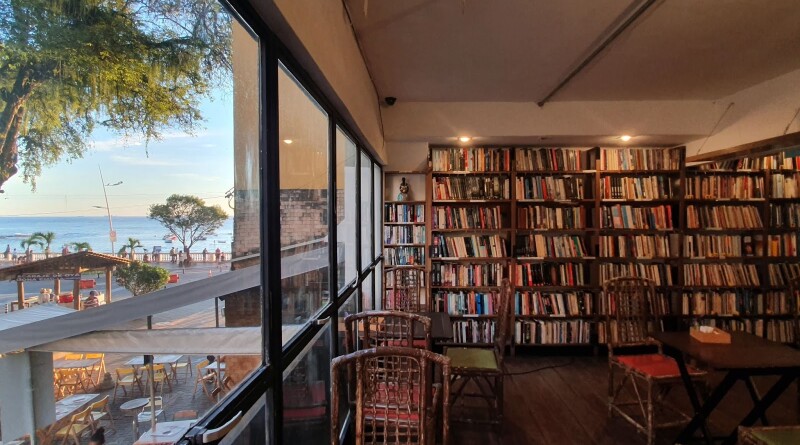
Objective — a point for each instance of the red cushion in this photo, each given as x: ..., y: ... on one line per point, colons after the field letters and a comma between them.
x: 304, y: 413
x: 417, y: 343
x: 392, y: 415
x: 654, y: 365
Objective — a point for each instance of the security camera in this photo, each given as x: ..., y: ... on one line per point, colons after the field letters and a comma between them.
x: 390, y: 100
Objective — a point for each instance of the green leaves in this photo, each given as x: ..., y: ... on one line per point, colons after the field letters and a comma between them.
x: 140, y: 278
x: 188, y: 218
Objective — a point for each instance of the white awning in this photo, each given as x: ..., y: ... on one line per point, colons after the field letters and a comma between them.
x: 31, y: 315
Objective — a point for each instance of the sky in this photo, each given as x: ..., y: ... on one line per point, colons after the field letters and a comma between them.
x: 199, y: 164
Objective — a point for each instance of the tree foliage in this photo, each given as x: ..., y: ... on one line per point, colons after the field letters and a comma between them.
x: 188, y: 218
x: 140, y: 278
x: 81, y: 245
x: 30, y: 242
x: 132, y: 245
x: 136, y: 67
x: 45, y: 238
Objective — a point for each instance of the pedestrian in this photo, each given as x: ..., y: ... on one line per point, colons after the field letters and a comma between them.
x: 29, y: 255
x: 65, y: 250
x: 205, y: 254
x: 14, y: 255
x: 146, y: 258
x: 217, y: 254
x: 172, y: 255
x: 8, y: 252
x: 180, y: 256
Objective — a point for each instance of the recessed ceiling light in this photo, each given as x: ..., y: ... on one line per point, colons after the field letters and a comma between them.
x: 464, y: 138
x: 287, y: 141
x: 625, y: 138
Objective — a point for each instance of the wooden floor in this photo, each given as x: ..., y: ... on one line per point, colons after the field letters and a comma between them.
x: 565, y: 405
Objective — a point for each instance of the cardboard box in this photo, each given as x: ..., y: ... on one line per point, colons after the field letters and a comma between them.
x: 713, y: 335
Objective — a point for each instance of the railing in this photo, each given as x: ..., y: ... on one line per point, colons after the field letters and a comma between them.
x: 164, y: 257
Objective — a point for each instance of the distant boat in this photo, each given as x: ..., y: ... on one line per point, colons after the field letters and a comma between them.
x: 169, y: 238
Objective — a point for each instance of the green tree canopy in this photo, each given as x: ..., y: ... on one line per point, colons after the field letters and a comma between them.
x: 188, y: 218
x: 136, y: 67
x: 140, y: 278
x: 82, y: 245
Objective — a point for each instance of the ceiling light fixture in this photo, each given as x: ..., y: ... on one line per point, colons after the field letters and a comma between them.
x: 464, y: 138
x: 287, y: 141
x: 625, y: 138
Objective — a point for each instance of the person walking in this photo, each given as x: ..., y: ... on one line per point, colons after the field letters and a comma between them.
x: 14, y: 255
x: 173, y: 257
x: 65, y: 250
x: 217, y: 254
x: 205, y: 254
x: 8, y: 252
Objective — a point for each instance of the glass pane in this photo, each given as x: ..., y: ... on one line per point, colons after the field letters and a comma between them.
x: 367, y: 303
x: 253, y: 426
x: 306, y: 386
x: 378, y: 285
x: 346, y: 158
x: 304, y: 201
x: 349, y: 307
x: 139, y: 140
x: 377, y: 207
x: 366, y: 211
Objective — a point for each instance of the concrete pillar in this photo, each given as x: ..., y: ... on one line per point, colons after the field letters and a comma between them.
x: 26, y: 395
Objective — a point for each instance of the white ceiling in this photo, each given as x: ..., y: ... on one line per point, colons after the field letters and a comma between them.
x: 517, y: 50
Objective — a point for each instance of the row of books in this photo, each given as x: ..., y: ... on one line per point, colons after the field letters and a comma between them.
x: 785, y: 185
x: 784, y: 215
x: 555, y: 159
x: 640, y: 159
x: 660, y: 304
x: 403, y: 213
x: 782, y: 331
x: 465, y: 302
x: 473, y: 331
x: 474, y: 246
x: 550, y: 188
x: 782, y: 245
x: 553, y: 304
x: 480, y: 275
x: 720, y: 246
x: 630, y: 217
x: 723, y: 275
x: 778, y: 303
x: 728, y: 303
x: 549, y: 218
x: 470, y: 187
x: 723, y: 217
x: 547, y: 332
x: 448, y: 217
x: 725, y: 187
x: 778, y: 161
x: 660, y: 274
x: 404, y: 234
x: 404, y: 256
x: 734, y: 325
x: 551, y: 274
x: 639, y: 246
x: 469, y: 159
x: 550, y: 246
x: 781, y: 274
x: 645, y: 187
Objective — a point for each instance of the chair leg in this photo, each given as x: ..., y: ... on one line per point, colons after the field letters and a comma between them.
x: 499, y: 394
x: 650, y: 420
x: 610, y: 390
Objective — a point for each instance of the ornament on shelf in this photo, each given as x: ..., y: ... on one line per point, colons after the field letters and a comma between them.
x: 403, y: 195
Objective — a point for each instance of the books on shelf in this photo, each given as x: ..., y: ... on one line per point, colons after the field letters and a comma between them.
x: 661, y: 301
x: 404, y: 213
x: 721, y: 246
x: 473, y: 331
x: 660, y: 274
x: 465, y: 302
x: 550, y: 188
x: 469, y: 159
x: 555, y: 304
x: 785, y: 185
x: 781, y: 331
x: 644, y: 188
x: 549, y: 332
x: 782, y: 245
x: 723, y: 217
x: 550, y: 218
x: 470, y: 187
x: 552, y: 159
x: 459, y: 274
x: 722, y: 275
x: 778, y: 161
x: 474, y: 246
x: 550, y: 246
x: 639, y: 246
x: 734, y: 325
x: 634, y: 217
x: 782, y: 273
x: 725, y: 187
x: 784, y: 215
x: 551, y: 274
x: 640, y: 159
x: 777, y: 303
x: 450, y: 217
x: 404, y: 234
x: 727, y: 303
x: 404, y: 256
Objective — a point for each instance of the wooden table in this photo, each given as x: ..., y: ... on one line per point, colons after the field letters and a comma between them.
x: 745, y: 357
x: 65, y: 408
x: 441, y: 327
x: 166, y: 433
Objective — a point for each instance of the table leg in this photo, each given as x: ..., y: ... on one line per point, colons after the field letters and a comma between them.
x: 135, y: 427
x: 751, y: 388
x: 704, y: 411
x: 761, y: 407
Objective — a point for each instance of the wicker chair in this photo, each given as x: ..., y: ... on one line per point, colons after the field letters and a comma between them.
x: 484, y: 366
x: 633, y: 310
x: 769, y: 435
x: 404, y: 285
x: 386, y: 328
x: 395, y: 401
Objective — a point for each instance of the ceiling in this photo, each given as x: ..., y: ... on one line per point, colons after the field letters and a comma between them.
x: 518, y: 50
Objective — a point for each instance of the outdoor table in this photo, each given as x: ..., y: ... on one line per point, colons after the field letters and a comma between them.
x: 131, y: 407
x: 75, y: 364
x: 164, y: 359
x: 166, y: 433
x: 65, y: 408
x: 745, y: 357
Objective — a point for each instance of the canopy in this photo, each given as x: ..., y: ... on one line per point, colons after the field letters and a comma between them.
x: 72, y: 262
x: 32, y: 315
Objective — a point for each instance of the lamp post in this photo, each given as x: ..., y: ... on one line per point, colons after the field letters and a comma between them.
x: 112, y: 235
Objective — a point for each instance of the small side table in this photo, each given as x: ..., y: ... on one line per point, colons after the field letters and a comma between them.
x: 131, y: 407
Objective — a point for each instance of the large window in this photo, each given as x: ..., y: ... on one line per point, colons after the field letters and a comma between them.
x: 346, y: 207
x: 366, y: 211
x: 377, y: 207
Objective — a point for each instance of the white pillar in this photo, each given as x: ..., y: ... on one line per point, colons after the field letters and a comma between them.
x: 26, y: 395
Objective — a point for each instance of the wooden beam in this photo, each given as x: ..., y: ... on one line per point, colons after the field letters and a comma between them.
x: 57, y: 288
x: 76, y: 294
x: 762, y: 147
x: 108, y: 285
x: 20, y: 294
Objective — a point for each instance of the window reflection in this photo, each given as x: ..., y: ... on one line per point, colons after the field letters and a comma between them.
x: 366, y: 211
x: 305, y: 394
x: 346, y: 158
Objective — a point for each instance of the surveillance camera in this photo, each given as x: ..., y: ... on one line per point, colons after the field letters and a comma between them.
x: 390, y: 100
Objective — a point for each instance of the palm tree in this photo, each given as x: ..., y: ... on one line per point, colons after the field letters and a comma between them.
x: 45, y: 238
x: 133, y: 243
x: 28, y: 243
x: 81, y: 246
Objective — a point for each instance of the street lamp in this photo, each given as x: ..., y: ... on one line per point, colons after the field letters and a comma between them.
x: 112, y: 235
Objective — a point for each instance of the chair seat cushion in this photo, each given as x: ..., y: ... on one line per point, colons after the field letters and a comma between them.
x: 473, y: 358
x: 654, y: 365
x: 789, y: 435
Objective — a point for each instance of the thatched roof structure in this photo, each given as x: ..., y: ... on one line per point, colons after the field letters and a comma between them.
x: 70, y: 263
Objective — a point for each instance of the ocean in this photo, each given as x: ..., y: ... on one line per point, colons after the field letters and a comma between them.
x: 94, y: 230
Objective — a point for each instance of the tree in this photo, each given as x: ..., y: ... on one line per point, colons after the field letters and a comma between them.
x: 140, y: 278
x: 188, y: 218
x: 45, y: 238
x: 135, y: 67
x: 132, y: 244
x: 29, y: 242
x: 82, y: 245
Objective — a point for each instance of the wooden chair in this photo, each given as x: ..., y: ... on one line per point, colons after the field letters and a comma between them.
x: 185, y: 366
x: 78, y: 424
x: 70, y: 381
x: 204, y: 378
x: 73, y: 356
x: 185, y: 414
x: 404, y: 285
x: 769, y: 435
x: 161, y: 377
x: 634, y: 310
x: 96, y: 372
x: 144, y: 416
x: 127, y: 377
x: 100, y: 412
x: 395, y: 402
x: 373, y: 329
x: 484, y: 366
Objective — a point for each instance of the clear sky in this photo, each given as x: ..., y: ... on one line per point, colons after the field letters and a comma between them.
x: 199, y: 164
